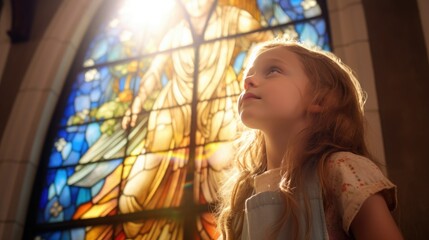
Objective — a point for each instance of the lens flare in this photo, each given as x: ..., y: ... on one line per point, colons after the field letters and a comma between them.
x: 146, y: 14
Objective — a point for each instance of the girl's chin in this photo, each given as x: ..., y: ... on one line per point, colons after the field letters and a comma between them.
x: 250, y: 122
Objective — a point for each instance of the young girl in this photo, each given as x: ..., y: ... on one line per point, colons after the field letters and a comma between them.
x: 303, y: 171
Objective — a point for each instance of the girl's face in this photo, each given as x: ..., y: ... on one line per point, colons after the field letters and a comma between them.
x: 275, y: 91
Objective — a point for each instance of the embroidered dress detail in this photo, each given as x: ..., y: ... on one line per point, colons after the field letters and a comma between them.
x: 351, y: 180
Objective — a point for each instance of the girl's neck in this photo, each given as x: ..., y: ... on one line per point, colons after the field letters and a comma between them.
x: 278, y: 141
x: 275, y: 147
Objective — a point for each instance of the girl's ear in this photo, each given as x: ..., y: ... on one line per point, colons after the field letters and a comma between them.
x: 314, y: 108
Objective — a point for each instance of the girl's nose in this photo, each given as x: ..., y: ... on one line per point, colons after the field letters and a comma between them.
x: 250, y: 81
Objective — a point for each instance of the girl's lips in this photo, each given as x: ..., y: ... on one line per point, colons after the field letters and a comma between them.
x: 250, y: 96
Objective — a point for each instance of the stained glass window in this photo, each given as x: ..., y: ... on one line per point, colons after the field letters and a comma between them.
x: 143, y: 130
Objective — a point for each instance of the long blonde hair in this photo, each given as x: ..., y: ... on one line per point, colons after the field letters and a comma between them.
x: 339, y: 126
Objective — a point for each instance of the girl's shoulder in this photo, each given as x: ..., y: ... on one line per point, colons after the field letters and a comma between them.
x: 349, y: 157
x: 348, y: 162
x: 347, y: 172
x: 351, y: 179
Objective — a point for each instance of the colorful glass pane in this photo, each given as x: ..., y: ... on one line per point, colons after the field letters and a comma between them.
x: 85, y: 233
x: 277, y: 12
x: 109, y: 91
x: 101, y: 93
x: 81, y: 144
x: 160, y: 130
x: 211, y: 161
x: 216, y: 120
x: 153, y: 181
x: 313, y: 33
x: 206, y: 227
x: 151, y: 229
x: 84, y: 191
x: 234, y: 17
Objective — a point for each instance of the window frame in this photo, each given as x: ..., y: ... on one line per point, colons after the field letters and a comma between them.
x: 189, y: 207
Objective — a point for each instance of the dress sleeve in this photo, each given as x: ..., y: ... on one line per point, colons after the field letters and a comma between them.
x: 351, y: 180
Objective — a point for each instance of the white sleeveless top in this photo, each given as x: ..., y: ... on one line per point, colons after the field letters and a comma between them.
x: 265, y: 208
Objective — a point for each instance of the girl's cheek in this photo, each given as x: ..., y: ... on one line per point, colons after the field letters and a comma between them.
x: 286, y: 102
x: 287, y: 94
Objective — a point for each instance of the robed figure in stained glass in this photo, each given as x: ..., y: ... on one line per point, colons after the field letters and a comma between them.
x: 158, y: 140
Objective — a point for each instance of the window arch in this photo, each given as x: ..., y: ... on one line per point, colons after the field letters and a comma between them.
x: 144, y: 127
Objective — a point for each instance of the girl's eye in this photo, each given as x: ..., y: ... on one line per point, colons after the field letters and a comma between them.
x: 273, y: 70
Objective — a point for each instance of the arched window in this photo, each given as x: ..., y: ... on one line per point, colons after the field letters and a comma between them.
x: 143, y: 130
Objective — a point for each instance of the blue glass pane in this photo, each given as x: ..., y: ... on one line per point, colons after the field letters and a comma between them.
x: 314, y: 33
x: 88, y: 233
x: 277, y: 12
x: 83, y: 191
x: 108, y: 92
x: 235, y: 17
x: 87, y: 143
x: 100, y: 93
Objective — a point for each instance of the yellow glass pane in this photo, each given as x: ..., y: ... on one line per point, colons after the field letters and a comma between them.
x: 153, y: 181
x: 217, y: 120
x: 160, y: 130
x: 211, y: 163
x: 151, y: 229
x: 102, y: 209
x: 99, y: 232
